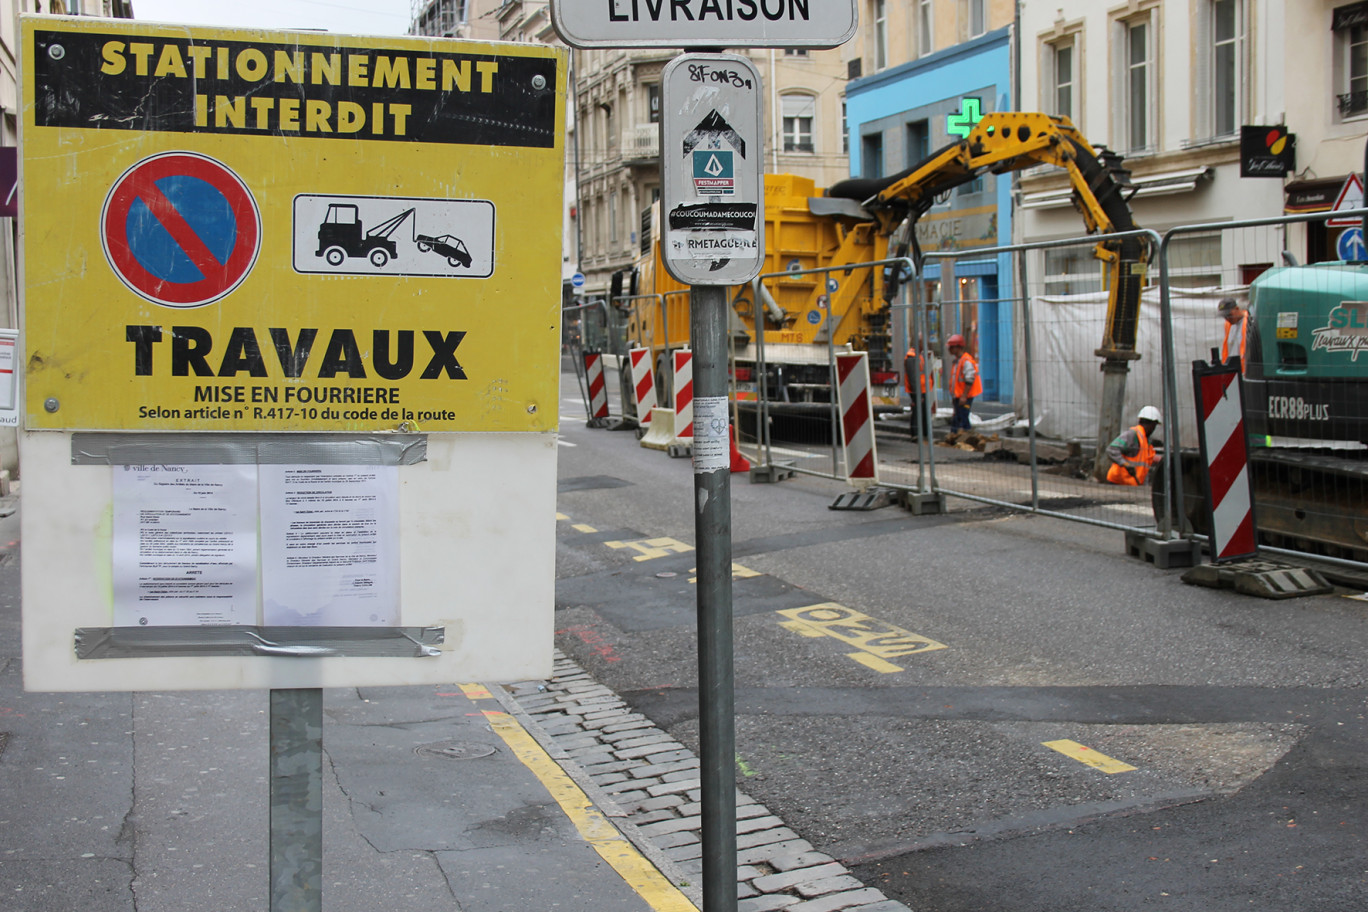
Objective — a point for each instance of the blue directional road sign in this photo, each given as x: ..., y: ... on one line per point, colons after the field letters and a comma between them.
x: 1350, y: 245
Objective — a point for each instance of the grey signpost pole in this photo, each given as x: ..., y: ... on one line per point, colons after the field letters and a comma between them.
x: 716, y: 678
x: 296, y: 800
x: 713, y: 230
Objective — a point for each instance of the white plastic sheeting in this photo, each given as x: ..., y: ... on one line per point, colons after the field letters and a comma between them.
x: 1067, y: 378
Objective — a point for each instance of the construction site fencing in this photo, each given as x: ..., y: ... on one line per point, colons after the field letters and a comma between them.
x: 594, y: 327
x: 1035, y: 431
x: 1304, y: 386
x: 796, y: 425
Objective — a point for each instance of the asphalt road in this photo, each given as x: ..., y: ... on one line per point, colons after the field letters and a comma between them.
x: 901, y: 679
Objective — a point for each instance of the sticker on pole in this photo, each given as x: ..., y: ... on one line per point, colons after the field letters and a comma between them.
x: 180, y: 229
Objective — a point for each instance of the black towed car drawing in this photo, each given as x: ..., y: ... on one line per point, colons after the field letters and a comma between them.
x: 449, y: 246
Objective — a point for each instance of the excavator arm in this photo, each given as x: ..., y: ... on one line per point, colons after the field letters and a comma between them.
x: 1002, y: 142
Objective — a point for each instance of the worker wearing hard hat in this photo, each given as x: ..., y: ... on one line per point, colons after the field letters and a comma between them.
x: 1131, y: 453
x: 1236, y: 330
x: 922, y: 395
x: 965, y: 382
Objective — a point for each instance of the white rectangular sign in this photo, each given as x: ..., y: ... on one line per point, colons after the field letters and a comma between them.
x: 712, y: 167
x: 704, y: 23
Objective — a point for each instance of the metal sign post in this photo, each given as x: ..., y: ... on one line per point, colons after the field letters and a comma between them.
x: 713, y: 238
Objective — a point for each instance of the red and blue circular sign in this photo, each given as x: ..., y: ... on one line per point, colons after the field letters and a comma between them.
x: 181, y: 229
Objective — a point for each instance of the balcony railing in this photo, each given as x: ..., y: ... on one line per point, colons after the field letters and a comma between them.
x: 641, y: 141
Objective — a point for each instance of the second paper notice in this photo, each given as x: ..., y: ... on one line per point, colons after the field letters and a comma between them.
x: 329, y: 545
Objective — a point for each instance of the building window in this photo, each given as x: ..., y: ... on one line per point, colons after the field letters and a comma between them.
x: 1061, y: 78
x: 1350, y: 26
x: 918, y: 142
x: 871, y: 155
x: 978, y: 17
x: 1226, y: 24
x: 653, y: 103
x: 845, y: 130
x: 1136, y: 107
x: 798, y: 112
x: 880, y: 18
x: 1072, y: 270
x: 795, y: 52
x: 924, y: 43
x: 1195, y: 261
x: 613, y: 219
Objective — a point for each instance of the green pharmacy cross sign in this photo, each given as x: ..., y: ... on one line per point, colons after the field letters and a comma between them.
x: 961, y: 124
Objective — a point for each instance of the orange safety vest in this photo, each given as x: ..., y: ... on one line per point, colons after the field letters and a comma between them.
x: 957, y: 379
x: 1117, y: 474
x: 928, y: 382
x: 1243, y: 323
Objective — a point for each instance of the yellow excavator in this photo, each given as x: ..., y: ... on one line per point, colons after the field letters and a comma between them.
x: 865, y: 220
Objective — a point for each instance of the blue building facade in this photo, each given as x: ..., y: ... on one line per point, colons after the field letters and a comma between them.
x: 899, y: 116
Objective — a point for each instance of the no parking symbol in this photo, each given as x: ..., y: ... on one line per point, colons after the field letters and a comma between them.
x: 180, y: 229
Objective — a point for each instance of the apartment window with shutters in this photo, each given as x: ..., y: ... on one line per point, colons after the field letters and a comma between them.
x: 845, y: 130
x: 798, y: 113
x: 1224, y: 78
x: 1350, y: 30
x: 1061, y: 72
x: 925, y: 36
x: 1135, y: 106
x: 880, y: 19
x: 978, y: 17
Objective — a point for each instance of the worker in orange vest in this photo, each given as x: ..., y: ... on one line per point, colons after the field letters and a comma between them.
x: 1236, y: 330
x: 923, y: 394
x: 965, y: 382
x: 1131, y: 453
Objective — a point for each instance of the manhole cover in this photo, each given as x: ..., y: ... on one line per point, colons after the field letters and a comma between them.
x: 454, y: 750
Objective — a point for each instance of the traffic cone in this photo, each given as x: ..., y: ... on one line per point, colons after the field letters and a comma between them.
x: 739, y: 463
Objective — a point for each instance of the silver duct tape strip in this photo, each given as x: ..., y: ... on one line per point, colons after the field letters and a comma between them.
x: 200, y: 448
x: 287, y: 642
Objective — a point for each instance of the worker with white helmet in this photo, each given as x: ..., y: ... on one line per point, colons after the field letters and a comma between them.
x: 1131, y: 453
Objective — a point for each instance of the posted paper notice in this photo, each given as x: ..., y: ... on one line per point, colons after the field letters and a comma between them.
x: 329, y: 545
x: 185, y: 545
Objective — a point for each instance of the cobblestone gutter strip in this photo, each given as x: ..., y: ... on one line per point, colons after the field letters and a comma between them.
x: 649, y: 784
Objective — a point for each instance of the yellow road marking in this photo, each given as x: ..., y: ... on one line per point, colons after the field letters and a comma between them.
x: 651, y: 548
x: 874, y: 662
x: 611, y: 845
x: 877, y: 640
x: 801, y: 629
x: 581, y: 527
x: 1086, y: 755
x: 476, y: 691
x: 561, y: 516
x: 738, y: 572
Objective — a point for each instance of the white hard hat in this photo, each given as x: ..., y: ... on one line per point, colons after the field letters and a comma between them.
x: 1150, y: 413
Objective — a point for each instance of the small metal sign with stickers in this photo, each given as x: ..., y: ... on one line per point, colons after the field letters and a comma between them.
x: 712, y: 159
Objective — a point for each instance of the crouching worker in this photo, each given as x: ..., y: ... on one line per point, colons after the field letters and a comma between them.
x: 1131, y: 453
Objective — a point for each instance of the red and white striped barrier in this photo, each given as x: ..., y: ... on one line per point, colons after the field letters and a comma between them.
x: 598, y: 388
x: 683, y: 394
x: 1219, y: 394
x: 643, y: 384
x: 857, y: 417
